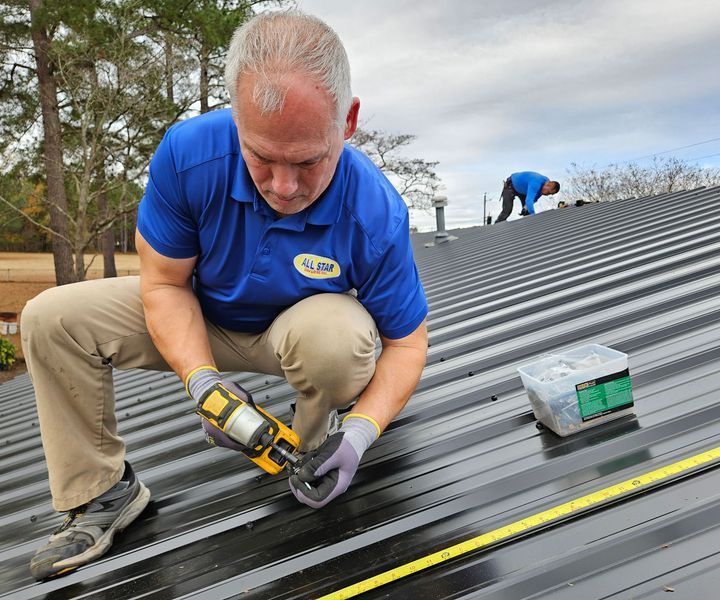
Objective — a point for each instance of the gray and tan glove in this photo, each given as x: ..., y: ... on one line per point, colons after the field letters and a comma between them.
x: 199, y: 383
x: 326, y: 472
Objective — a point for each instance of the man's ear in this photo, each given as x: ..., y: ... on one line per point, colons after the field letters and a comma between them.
x: 351, y: 120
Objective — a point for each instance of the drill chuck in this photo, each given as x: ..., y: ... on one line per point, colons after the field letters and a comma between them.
x: 246, y: 426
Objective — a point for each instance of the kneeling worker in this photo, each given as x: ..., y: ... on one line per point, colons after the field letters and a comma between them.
x: 528, y: 186
x: 266, y: 245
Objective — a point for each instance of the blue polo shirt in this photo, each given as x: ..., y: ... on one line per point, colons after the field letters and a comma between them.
x: 529, y: 184
x: 200, y: 201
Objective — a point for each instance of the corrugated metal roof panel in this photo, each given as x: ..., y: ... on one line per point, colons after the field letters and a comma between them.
x: 464, y: 457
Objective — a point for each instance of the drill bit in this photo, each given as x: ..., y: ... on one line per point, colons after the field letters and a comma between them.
x: 291, y: 459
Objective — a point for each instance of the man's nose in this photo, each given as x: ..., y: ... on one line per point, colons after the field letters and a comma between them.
x: 284, y: 180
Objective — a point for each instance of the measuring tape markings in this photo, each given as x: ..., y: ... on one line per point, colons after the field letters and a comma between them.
x: 523, y: 525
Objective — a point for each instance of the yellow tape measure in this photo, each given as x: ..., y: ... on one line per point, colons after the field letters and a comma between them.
x: 524, y: 525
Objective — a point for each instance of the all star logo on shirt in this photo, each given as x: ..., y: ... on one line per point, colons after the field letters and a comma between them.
x: 316, y: 267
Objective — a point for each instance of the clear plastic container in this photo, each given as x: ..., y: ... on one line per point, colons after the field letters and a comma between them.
x: 579, y: 388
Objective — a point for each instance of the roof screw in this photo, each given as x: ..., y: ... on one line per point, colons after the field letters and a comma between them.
x: 493, y: 397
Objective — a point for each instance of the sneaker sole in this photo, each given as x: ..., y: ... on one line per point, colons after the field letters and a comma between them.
x: 126, y: 516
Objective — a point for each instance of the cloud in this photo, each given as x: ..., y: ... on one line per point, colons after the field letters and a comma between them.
x: 494, y: 87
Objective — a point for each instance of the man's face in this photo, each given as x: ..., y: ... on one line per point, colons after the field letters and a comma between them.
x: 548, y: 189
x: 292, y: 154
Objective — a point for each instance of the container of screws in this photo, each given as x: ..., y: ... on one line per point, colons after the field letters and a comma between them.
x: 579, y: 388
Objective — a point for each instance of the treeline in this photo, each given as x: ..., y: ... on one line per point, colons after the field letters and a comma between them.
x: 24, y: 226
x: 88, y: 89
x: 631, y: 180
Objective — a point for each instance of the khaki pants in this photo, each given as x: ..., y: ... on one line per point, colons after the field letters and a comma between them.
x: 73, y: 335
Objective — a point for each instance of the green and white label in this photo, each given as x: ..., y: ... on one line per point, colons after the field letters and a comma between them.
x: 604, y: 395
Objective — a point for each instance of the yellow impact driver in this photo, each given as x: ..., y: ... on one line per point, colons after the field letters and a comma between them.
x: 268, y: 443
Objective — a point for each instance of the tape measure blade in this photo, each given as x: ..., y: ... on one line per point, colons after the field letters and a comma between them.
x: 534, y: 523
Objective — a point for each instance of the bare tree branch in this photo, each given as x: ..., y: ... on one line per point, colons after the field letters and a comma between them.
x: 414, y: 178
x: 631, y: 180
x: 33, y: 221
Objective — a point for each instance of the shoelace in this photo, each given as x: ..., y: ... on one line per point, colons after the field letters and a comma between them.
x: 70, y: 518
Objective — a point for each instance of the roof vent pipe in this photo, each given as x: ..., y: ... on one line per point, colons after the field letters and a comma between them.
x: 440, y: 202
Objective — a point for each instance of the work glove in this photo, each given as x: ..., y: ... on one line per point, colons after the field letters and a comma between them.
x: 217, y: 437
x: 326, y: 472
x: 201, y: 382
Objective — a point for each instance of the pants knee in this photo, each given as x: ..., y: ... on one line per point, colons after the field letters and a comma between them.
x: 41, y: 315
x: 331, y: 348
x: 341, y: 365
x: 57, y: 317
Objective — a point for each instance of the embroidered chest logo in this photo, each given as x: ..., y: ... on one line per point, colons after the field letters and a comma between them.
x: 316, y: 267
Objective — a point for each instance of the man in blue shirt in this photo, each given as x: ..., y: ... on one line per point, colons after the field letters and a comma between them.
x: 266, y: 244
x: 528, y: 186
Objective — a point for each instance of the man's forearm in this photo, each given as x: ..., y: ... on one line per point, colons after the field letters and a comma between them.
x: 397, y: 374
x: 177, y: 327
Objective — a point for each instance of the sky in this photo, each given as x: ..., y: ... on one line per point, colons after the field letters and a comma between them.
x: 492, y: 87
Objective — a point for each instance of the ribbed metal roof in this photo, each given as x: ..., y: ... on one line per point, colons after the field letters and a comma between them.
x: 465, y: 457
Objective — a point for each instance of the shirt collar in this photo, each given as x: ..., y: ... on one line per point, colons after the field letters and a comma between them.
x: 243, y: 188
x: 326, y: 210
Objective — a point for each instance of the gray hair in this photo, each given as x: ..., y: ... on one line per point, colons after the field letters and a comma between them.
x: 274, y: 44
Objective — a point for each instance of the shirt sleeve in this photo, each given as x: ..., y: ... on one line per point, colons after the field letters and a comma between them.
x: 533, y: 194
x: 393, y: 293
x: 164, y: 218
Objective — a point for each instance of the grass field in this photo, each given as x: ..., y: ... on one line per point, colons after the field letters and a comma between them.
x: 30, y: 266
x: 23, y: 275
